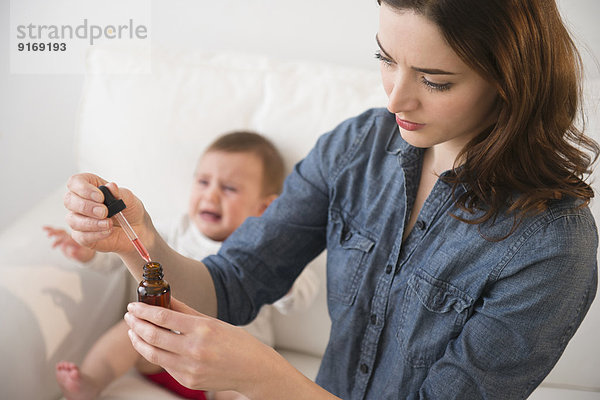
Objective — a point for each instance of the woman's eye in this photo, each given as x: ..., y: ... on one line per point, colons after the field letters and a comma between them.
x: 386, y: 61
x: 231, y: 189
x: 202, y: 182
x: 435, y: 87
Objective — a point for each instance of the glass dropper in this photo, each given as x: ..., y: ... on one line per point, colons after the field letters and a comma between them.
x: 115, y: 206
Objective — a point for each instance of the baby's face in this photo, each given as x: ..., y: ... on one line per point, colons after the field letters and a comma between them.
x: 227, y: 189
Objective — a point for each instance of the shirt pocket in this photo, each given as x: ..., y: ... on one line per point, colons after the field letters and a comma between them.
x: 347, y: 251
x: 433, y: 313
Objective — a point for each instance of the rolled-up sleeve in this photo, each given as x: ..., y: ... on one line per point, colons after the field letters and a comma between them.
x: 259, y: 262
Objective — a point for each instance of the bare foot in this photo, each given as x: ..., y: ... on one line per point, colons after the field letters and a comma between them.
x: 75, y: 385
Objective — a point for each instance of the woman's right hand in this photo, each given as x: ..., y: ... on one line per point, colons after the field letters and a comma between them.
x: 87, y: 214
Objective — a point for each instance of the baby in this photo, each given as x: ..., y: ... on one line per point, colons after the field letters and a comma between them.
x: 238, y: 176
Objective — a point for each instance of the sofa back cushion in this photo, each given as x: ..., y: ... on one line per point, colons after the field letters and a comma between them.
x: 146, y: 130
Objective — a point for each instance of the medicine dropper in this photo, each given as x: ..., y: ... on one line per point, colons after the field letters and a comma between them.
x: 115, y: 206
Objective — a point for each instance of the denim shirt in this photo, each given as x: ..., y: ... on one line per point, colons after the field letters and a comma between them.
x: 448, y: 313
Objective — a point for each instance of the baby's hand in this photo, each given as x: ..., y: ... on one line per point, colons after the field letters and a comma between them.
x: 69, y: 247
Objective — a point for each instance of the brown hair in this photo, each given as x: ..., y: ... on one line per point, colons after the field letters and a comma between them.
x: 251, y: 142
x: 535, y: 152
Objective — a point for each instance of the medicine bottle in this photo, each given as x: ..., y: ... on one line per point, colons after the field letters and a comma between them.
x: 153, y: 289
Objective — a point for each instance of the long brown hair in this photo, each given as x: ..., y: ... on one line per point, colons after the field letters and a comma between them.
x: 535, y: 152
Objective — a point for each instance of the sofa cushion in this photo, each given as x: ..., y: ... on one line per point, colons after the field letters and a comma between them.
x: 146, y: 131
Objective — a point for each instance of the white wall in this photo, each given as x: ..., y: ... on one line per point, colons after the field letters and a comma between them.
x: 38, y: 112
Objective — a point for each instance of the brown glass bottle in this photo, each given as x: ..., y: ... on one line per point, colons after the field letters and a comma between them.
x: 153, y: 289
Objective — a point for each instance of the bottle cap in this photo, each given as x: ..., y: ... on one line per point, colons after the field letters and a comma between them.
x: 114, y: 206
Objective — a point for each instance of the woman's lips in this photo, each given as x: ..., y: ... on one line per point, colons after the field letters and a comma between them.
x: 408, y: 125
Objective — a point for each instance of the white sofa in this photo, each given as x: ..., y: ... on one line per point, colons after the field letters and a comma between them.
x: 145, y: 132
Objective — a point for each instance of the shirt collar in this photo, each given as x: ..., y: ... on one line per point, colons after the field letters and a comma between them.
x: 397, y: 146
x: 408, y: 153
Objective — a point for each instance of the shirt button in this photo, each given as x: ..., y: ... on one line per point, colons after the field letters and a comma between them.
x: 421, y: 224
x: 373, y: 319
x: 388, y: 269
x: 364, y: 368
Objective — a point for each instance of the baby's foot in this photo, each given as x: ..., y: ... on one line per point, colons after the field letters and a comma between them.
x: 74, y: 385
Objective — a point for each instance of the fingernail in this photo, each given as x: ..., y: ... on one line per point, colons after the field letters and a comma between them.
x: 131, y: 307
x: 98, y: 211
x: 97, y: 196
x: 104, y: 224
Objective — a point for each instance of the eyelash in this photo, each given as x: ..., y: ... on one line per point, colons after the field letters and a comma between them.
x: 383, y: 59
x: 431, y: 86
x: 435, y: 87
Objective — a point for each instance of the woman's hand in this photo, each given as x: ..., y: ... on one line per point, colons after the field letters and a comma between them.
x: 209, y: 354
x: 206, y: 353
x: 87, y: 214
x: 69, y: 247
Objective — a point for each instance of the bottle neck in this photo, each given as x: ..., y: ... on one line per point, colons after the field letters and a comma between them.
x: 153, y: 271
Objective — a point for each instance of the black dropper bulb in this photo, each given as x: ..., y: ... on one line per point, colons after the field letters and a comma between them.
x: 114, y: 206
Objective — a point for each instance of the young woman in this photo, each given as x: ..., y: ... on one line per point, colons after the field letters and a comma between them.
x: 461, y: 251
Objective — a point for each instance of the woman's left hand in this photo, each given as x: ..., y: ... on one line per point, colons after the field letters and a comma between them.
x: 206, y: 354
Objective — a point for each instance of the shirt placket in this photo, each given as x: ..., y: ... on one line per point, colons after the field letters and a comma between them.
x: 398, y: 257
x: 375, y: 325
x: 433, y: 206
x: 379, y: 300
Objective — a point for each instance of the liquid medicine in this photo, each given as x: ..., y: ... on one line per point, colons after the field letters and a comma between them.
x: 153, y: 289
x: 115, y: 206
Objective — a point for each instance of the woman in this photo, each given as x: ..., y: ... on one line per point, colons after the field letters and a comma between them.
x: 461, y: 252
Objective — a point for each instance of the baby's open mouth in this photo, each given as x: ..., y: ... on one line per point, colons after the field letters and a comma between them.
x: 210, y: 216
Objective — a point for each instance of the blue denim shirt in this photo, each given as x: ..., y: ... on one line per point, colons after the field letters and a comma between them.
x: 445, y: 314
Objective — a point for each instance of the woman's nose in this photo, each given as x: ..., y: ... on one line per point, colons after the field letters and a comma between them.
x: 403, y: 96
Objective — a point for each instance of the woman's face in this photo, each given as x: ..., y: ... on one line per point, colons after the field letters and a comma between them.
x: 438, y: 100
